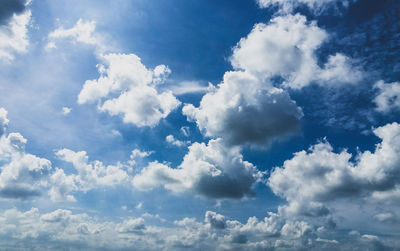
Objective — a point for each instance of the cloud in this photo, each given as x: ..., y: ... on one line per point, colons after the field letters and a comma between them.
x: 63, y: 228
x: 388, y: 97
x: 9, y: 8
x: 138, y: 101
x: 22, y: 175
x: 317, y: 6
x: 66, y: 110
x: 187, y: 87
x: 311, y: 179
x: 175, y: 142
x: 89, y: 175
x: 13, y: 30
x: 244, y: 110
x: 3, y: 120
x: 83, y: 32
x: 286, y: 47
x: 213, y: 171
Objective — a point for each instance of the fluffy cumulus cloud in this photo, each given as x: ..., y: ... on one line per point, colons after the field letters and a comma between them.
x: 285, y: 47
x: 89, y: 175
x: 14, y: 21
x: 22, y: 175
x: 127, y: 88
x: 317, y: 6
x: 213, y: 170
x: 388, y: 97
x: 311, y: 179
x: 245, y: 110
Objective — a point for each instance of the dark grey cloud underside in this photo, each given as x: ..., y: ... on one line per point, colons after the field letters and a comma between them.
x: 8, y: 8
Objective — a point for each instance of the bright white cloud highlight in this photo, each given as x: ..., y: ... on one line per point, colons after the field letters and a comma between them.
x: 14, y: 36
x: 138, y: 101
x: 286, y: 47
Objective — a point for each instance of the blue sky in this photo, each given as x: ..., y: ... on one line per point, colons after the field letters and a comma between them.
x: 199, y: 125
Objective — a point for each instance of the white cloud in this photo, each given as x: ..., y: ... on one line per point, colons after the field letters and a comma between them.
x: 89, y: 175
x: 213, y: 170
x: 14, y: 36
x: 186, y: 87
x: 3, y: 120
x: 82, y: 32
x: 81, y: 231
x: 287, y: 6
x: 388, y: 97
x: 22, y: 175
x: 286, y: 47
x: 311, y: 181
x: 66, y: 110
x: 175, y: 142
x: 244, y: 110
x: 138, y: 100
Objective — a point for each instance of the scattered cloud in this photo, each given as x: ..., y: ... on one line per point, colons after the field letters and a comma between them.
x: 311, y: 179
x: 66, y: 110
x: 186, y: 87
x: 388, y: 97
x: 317, y: 6
x: 22, y: 175
x: 175, y: 142
x: 286, y: 47
x: 213, y: 171
x: 14, y: 21
x: 89, y: 175
x: 244, y: 110
x: 138, y: 100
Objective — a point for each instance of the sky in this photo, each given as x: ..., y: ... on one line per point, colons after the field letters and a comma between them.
x: 199, y: 125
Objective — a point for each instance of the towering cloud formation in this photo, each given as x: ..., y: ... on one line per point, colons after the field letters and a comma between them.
x: 138, y: 101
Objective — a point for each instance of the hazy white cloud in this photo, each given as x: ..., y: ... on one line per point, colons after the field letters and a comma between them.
x: 317, y: 6
x: 388, y: 97
x: 286, y: 47
x: 3, y: 120
x: 175, y: 142
x: 186, y: 87
x: 14, y: 36
x: 66, y: 110
x: 89, y: 175
x: 213, y: 170
x: 245, y: 110
x: 138, y: 101
x: 83, y: 32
